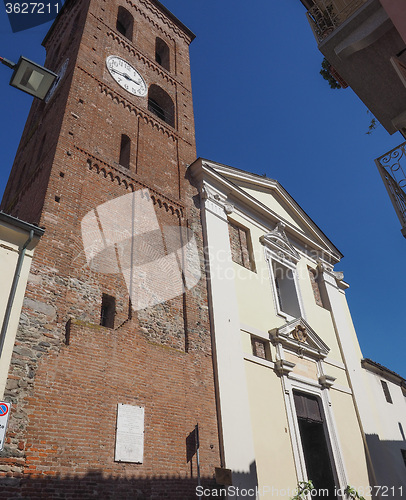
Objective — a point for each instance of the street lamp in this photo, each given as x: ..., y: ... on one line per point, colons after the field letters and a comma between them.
x: 30, y: 77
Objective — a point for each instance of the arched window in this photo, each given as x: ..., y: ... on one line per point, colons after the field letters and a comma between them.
x: 160, y: 103
x: 162, y: 53
x: 125, y: 151
x: 125, y: 23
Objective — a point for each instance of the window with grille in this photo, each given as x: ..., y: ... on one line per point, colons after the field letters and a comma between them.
x: 161, y: 104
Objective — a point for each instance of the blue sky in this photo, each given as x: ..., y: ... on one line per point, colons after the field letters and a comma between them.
x: 261, y: 105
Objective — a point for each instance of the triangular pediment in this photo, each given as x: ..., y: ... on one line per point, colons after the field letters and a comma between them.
x: 263, y: 197
x: 278, y: 242
x: 299, y: 337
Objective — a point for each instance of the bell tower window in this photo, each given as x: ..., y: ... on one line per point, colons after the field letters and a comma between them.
x: 162, y: 53
x: 125, y: 23
x: 160, y: 103
x: 125, y: 151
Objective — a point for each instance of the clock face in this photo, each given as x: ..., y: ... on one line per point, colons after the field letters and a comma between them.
x: 126, y: 76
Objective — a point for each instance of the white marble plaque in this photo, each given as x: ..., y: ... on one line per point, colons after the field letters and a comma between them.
x: 129, y: 434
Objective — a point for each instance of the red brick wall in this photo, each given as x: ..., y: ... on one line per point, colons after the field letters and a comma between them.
x: 315, y: 286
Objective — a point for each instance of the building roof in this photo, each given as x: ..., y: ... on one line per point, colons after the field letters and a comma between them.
x: 380, y: 369
x: 16, y: 222
x: 229, y: 177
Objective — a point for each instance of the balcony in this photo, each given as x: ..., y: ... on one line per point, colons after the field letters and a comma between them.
x: 392, y: 167
x: 363, y: 41
x: 327, y: 15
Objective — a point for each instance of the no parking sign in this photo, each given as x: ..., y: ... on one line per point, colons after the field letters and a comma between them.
x: 4, y: 414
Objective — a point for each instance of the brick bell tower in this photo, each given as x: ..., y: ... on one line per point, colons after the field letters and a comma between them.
x: 112, y: 366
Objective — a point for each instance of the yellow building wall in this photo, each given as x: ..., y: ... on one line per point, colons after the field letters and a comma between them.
x: 272, y: 440
x: 271, y: 434
x: 274, y: 203
x: 351, y: 442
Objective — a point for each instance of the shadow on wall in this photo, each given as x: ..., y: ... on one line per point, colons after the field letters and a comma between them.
x: 389, y: 464
x: 245, y: 480
x: 96, y: 485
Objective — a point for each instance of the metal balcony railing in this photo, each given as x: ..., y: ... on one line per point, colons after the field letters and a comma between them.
x: 392, y: 167
x: 326, y: 15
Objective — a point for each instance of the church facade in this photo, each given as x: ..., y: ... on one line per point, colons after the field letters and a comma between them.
x: 286, y: 352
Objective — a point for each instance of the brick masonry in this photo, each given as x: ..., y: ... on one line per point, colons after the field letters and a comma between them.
x: 68, y: 373
x: 239, y: 238
x: 315, y: 286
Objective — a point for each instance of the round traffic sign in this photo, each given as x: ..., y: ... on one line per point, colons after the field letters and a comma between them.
x: 3, y: 409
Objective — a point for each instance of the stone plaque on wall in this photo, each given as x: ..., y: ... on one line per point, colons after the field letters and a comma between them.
x: 129, y: 434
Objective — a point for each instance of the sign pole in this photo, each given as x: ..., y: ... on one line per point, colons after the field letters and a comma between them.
x: 197, y: 454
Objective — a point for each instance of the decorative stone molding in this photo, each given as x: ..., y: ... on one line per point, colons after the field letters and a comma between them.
x: 298, y: 337
x: 326, y: 381
x: 334, y: 278
x: 323, y: 266
x: 339, y: 275
x: 208, y: 192
x: 212, y: 201
x: 228, y: 208
x: 278, y: 242
x: 283, y: 367
x: 299, y: 333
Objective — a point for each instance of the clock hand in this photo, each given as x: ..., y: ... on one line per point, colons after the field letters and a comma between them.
x: 121, y: 74
x: 125, y: 76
